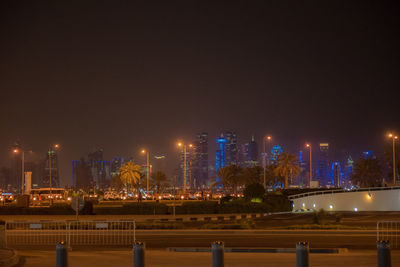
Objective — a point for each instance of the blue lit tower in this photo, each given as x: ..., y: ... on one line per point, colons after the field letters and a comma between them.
x: 275, y: 152
x: 220, y: 161
x: 336, y: 174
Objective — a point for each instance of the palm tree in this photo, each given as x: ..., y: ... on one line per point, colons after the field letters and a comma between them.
x: 130, y: 174
x: 287, y: 167
x: 252, y: 175
x: 159, y: 181
x: 230, y: 177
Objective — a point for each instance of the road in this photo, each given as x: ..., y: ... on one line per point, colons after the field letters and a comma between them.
x: 259, y: 238
x: 160, y: 239
x: 164, y: 258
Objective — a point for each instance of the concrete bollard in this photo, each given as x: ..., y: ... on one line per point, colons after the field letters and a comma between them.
x: 138, y: 254
x: 384, y: 259
x: 62, y: 254
x: 3, y: 241
x: 302, y: 250
x: 217, y: 249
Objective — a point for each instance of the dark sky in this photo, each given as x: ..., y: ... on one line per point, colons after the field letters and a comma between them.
x: 123, y: 75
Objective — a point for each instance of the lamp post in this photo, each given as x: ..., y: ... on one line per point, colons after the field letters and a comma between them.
x: 22, y: 168
x: 147, y: 168
x: 309, y: 147
x: 184, y: 164
x: 267, y: 138
x: 394, y: 138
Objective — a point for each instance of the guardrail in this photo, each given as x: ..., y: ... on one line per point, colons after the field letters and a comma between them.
x: 75, y: 233
x: 335, y: 191
x: 389, y: 231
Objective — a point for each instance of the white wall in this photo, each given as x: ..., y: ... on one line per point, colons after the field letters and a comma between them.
x: 382, y: 200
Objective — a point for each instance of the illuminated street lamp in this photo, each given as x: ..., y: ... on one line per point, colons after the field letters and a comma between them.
x: 266, y: 138
x: 147, y: 168
x: 184, y: 164
x: 309, y: 147
x: 394, y: 139
x: 15, y: 151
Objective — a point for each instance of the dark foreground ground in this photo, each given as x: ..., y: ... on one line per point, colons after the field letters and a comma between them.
x: 165, y: 258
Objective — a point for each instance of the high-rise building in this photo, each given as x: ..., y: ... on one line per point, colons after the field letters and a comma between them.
x: 200, y: 160
x: 249, y: 154
x: 322, y: 170
x: 51, y: 163
x: 16, y: 169
x: 349, y: 168
x: 336, y: 174
x: 231, y: 148
x: 220, y: 160
x: 189, y: 161
x: 100, y: 169
x: 275, y: 152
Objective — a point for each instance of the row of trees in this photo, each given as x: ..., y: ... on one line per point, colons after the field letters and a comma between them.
x: 366, y: 173
x: 131, y: 177
x: 232, y: 177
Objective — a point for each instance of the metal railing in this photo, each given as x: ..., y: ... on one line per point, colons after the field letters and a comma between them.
x: 335, y: 191
x: 103, y: 233
x: 75, y: 233
x: 35, y: 232
x: 389, y: 231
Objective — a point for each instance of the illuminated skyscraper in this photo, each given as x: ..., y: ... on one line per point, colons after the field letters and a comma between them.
x: 55, y: 179
x: 249, y: 154
x: 322, y: 170
x: 231, y: 148
x: 220, y: 160
x: 275, y: 152
x: 200, y: 160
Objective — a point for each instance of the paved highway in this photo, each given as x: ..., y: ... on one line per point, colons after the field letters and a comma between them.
x: 156, y: 239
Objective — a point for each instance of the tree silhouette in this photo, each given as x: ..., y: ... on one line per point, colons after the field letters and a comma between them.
x: 287, y: 167
x: 367, y: 173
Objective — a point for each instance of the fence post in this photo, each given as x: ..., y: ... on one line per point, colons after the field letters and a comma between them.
x: 218, y: 254
x: 138, y: 254
x: 302, y: 250
x: 383, y: 254
x: 62, y: 254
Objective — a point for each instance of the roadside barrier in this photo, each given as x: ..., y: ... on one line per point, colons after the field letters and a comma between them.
x: 74, y: 233
x: 390, y: 231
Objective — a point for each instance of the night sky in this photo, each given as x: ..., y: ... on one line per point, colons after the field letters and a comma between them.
x: 123, y: 76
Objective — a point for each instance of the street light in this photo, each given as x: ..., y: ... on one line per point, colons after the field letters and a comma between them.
x: 266, y: 138
x: 394, y: 138
x: 147, y: 168
x: 55, y: 147
x: 15, y: 151
x: 309, y: 146
x: 184, y: 163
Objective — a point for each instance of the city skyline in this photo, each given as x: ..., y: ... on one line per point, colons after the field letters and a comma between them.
x: 126, y: 76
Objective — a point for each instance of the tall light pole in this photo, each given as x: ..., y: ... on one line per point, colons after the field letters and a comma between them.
x: 309, y: 147
x: 22, y: 168
x: 147, y: 168
x: 394, y: 138
x: 184, y: 164
x: 56, y: 146
x: 266, y: 138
